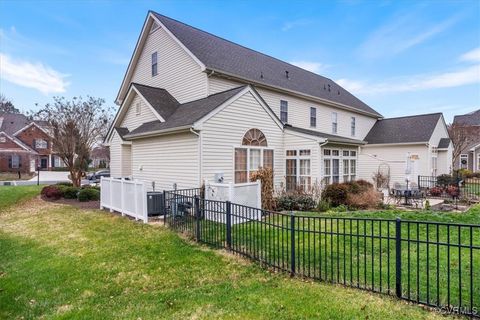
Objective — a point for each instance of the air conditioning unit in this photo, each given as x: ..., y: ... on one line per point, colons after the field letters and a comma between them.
x: 219, y: 177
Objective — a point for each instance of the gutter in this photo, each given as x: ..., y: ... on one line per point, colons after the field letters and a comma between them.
x: 157, y: 133
x: 200, y: 158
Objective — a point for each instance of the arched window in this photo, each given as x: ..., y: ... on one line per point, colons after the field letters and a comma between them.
x: 252, y: 155
x: 254, y: 137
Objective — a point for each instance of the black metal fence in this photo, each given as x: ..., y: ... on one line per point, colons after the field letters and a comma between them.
x: 457, y: 188
x: 436, y: 264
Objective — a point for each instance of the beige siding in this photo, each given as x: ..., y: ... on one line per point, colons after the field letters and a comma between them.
x: 115, y: 155
x: 166, y: 160
x: 126, y: 160
x: 299, y: 111
x: 224, y: 131
x: 178, y: 73
x: 131, y: 119
x: 444, y: 159
x: 394, y: 156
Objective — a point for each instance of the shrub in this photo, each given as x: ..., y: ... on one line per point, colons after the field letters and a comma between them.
x: 364, y: 200
x: 70, y: 192
x: 88, y: 194
x: 297, y: 201
x: 436, y: 191
x: 336, y: 193
x: 265, y: 175
x: 66, y: 184
x: 51, y: 192
x: 364, y: 185
x: 453, y: 191
x: 445, y: 180
x: 323, y: 206
x: 341, y: 208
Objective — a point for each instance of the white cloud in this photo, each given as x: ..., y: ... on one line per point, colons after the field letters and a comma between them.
x: 32, y: 75
x: 296, y: 23
x: 461, y: 77
x: 312, y: 66
x: 473, y: 55
x: 401, y: 34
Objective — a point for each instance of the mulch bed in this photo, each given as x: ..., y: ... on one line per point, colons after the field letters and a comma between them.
x: 88, y: 205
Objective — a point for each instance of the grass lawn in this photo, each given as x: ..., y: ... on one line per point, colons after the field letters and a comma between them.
x: 12, y: 176
x: 10, y: 195
x: 60, y: 262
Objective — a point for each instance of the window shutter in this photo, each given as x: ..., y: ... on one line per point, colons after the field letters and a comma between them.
x: 19, y: 161
x: 10, y: 162
x: 34, y: 143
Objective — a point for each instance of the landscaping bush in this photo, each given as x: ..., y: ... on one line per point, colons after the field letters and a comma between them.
x: 364, y: 200
x: 323, y: 206
x: 364, y: 185
x: 66, y: 184
x: 336, y: 193
x: 445, y: 180
x: 51, y: 192
x: 295, y: 201
x: 453, y: 191
x: 88, y: 194
x: 265, y: 175
x: 70, y: 192
x: 436, y: 191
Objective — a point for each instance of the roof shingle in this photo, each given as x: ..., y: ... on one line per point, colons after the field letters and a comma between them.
x: 330, y: 137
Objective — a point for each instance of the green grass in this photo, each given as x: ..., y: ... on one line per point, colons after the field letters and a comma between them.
x: 325, y: 250
x: 59, y: 262
x: 13, y: 176
x: 10, y: 195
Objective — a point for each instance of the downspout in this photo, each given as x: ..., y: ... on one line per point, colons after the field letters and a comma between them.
x: 200, y: 156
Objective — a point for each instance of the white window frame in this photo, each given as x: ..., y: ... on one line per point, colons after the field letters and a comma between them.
x: 298, y: 159
x: 3, y: 139
x: 478, y: 162
x: 154, y: 63
x: 334, y: 122
x: 313, y: 117
x: 262, y: 164
x: 353, y: 126
x: 342, y: 154
x: 284, y: 103
x: 17, y: 165
x: 434, y: 161
x: 44, y: 144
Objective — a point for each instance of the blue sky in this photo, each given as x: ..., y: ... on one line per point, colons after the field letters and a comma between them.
x: 400, y: 57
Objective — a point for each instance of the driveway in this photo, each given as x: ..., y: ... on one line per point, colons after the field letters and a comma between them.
x: 52, y: 176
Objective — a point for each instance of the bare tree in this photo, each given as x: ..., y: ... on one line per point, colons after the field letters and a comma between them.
x: 76, y: 126
x: 461, y: 136
x: 7, y: 106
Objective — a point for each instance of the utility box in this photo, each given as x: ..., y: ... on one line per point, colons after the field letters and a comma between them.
x: 155, y: 203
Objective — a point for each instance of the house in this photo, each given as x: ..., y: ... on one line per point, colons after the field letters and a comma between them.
x: 196, y: 107
x: 420, y: 140
x: 25, y: 145
x: 470, y: 155
x: 100, y: 157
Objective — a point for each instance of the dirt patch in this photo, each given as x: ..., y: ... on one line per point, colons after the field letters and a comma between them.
x: 88, y: 205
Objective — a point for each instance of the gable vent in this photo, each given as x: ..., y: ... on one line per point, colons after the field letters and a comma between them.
x: 286, y: 74
x: 154, y: 27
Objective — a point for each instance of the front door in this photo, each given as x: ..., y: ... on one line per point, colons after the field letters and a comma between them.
x: 43, y: 163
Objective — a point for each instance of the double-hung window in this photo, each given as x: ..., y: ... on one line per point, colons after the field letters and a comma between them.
x: 353, y: 127
x: 434, y: 161
x: 154, y: 64
x: 313, y: 117
x: 15, y: 161
x: 284, y: 111
x: 298, y: 170
x: 332, y: 159
x: 464, y: 161
x: 334, y: 123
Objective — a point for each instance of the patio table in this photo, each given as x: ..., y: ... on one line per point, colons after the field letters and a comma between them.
x: 406, y: 193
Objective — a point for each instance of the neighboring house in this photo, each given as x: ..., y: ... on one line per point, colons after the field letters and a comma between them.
x: 196, y: 107
x: 470, y: 155
x: 422, y: 139
x: 25, y: 144
x: 100, y: 157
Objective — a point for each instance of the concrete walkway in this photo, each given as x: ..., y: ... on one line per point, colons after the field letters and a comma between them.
x: 57, y: 176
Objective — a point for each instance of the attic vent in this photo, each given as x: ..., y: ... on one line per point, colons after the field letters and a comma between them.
x: 261, y: 75
x: 155, y: 26
x: 286, y: 74
x: 338, y: 92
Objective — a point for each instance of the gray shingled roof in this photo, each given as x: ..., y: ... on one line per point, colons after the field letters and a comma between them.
x: 418, y: 128
x: 186, y: 114
x: 444, y: 143
x: 122, y: 131
x: 12, y: 122
x: 469, y: 119
x: 330, y: 137
x: 225, y: 56
x: 160, y: 99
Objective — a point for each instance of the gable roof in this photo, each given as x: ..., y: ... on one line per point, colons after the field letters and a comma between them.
x: 331, y: 138
x: 444, y: 143
x: 12, y: 122
x: 17, y: 142
x: 186, y: 114
x: 122, y: 132
x: 409, y: 129
x: 469, y: 119
x: 160, y: 99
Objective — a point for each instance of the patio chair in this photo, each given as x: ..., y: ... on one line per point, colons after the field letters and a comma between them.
x: 418, y: 198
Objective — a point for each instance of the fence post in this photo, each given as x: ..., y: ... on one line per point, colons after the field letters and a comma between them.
x: 111, y: 195
x: 228, y: 217
x: 164, y: 207
x: 398, y: 257
x: 292, y: 244
x: 197, y: 218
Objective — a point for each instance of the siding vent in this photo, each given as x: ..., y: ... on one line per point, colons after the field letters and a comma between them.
x: 286, y: 74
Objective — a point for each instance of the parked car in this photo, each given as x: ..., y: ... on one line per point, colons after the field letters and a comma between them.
x: 96, y: 176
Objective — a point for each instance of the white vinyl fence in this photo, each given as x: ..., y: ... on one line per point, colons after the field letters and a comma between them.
x: 124, y: 196
x: 246, y: 194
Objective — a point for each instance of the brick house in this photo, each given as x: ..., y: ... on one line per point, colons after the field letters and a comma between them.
x: 25, y: 144
x: 470, y: 155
